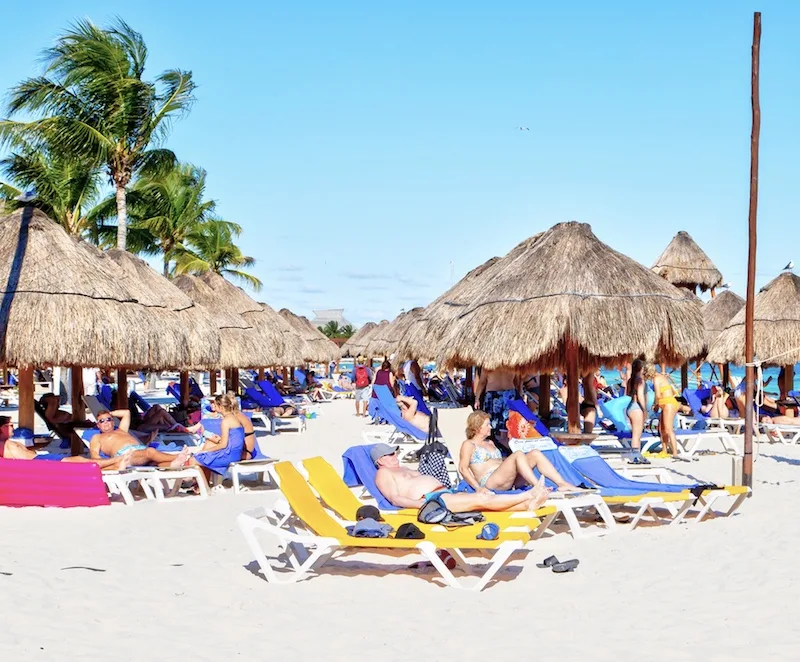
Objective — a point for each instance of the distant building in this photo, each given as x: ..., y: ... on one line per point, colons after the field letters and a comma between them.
x: 322, y: 317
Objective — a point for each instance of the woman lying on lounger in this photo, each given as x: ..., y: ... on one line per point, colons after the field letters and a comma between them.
x: 483, y: 467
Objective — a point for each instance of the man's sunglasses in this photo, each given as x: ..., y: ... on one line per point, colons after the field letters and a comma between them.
x: 104, y: 420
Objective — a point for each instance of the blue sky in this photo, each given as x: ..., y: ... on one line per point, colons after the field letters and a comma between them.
x: 370, y: 149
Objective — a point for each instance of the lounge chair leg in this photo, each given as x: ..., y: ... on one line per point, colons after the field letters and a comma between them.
x: 544, y: 526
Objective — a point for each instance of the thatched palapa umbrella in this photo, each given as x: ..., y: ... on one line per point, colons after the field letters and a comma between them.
x: 776, y: 329
x: 684, y: 264
x: 718, y: 312
x: 66, y: 304
x: 571, y: 301
x: 384, y: 340
x: 358, y: 341
x: 319, y: 348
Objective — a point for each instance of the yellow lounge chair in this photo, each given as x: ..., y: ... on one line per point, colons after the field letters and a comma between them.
x: 339, y: 498
x: 326, y: 537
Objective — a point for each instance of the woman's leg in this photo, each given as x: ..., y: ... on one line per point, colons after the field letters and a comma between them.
x: 667, y: 430
x: 539, y: 461
x: 636, y: 417
x: 528, y: 500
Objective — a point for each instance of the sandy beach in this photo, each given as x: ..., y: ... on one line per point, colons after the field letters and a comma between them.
x: 177, y: 580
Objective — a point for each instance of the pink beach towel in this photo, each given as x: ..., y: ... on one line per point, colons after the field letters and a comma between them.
x: 61, y: 484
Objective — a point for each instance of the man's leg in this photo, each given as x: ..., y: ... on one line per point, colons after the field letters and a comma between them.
x: 527, y: 500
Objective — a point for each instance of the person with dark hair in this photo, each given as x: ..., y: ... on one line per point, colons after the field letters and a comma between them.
x: 385, y: 377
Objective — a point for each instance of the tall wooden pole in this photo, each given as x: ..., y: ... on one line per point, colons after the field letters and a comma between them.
x: 684, y: 377
x: 184, y: 388
x: 573, y: 394
x: 747, y: 466
x: 212, y: 382
x: 78, y: 407
x: 25, y: 388
x: 122, y: 388
x: 544, y: 397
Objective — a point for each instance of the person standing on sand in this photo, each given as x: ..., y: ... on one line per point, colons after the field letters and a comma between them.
x: 494, y: 390
x: 384, y: 377
x: 362, y: 378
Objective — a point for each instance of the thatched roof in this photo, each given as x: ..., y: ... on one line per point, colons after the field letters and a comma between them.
x: 425, y: 335
x: 240, y: 343
x: 718, y: 312
x: 568, y: 285
x: 280, y: 346
x: 295, y: 348
x: 65, y: 303
x: 776, y: 327
x: 358, y: 341
x: 320, y: 348
x: 385, y: 339
x: 196, y: 334
x: 684, y: 264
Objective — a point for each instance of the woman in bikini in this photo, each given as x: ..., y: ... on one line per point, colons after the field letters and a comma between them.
x: 483, y: 467
x: 637, y: 409
x: 220, y: 451
x: 666, y: 400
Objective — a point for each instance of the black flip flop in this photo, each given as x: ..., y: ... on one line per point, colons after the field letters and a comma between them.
x: 566, y: 566
x: 549, y: 562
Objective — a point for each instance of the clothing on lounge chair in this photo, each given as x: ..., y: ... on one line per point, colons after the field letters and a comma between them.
x: 139, y: 401
x: 51, y: 457
x: 219, y: 461
x: 522, y: 408
x: 105, y: 394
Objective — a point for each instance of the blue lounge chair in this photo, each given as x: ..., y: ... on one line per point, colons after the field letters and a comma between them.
x: 272, y: 398
x: 413, y: 392
x: 389, y: 411
x: 694, y: 398
x: 360, y: 470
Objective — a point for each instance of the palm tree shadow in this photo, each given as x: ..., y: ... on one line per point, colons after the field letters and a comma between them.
x: 784, y: 460
x: 10, y: 290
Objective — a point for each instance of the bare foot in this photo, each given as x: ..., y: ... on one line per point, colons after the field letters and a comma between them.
x: 180, y: 459
x: 539, y: 495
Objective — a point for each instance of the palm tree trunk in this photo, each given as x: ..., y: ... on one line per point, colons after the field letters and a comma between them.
x: 166, y: 265
x: 122, y: 218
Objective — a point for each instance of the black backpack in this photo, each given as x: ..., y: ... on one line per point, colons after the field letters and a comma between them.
x: 435, y: 512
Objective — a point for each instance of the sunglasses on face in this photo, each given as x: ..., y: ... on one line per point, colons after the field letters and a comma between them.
x: 104, y: 420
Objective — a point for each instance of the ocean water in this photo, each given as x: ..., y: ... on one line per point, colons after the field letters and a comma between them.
x: 737, y: 372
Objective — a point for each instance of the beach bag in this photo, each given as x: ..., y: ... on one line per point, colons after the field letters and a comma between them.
x: 435, y: 512
x: 362, y: 377
x: 433, y: 455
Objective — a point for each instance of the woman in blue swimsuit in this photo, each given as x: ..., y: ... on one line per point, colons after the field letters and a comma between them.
x: 637, y: 409
x: 483, y: 467
x: 219, y: 452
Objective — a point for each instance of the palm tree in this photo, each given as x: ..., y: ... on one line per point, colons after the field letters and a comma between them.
x: 164, y: 210
x: 331, y: 329
x: 346, y: 331
x: 65, y: 187
x: 92, y: 100
x: 210, y: 247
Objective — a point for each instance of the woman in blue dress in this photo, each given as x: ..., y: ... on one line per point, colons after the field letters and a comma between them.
x: 220, y: 451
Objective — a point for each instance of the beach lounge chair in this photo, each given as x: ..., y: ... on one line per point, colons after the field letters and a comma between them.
x: 781, y: 434
x: 398, y: 429
x: 338, y: 497
x: 269, y: 397
x: 316, y: 530
x: 59, y: 484
x: 694, y: 398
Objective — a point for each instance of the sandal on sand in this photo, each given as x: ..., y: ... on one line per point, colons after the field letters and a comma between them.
x: 566, y: 566
x: 549, y: 562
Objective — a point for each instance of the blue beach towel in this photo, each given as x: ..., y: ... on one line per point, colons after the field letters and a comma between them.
x: 389, y: 411
x: 360, y: 470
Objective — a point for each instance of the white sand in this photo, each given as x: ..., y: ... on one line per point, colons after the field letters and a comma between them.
x: 176, y: 581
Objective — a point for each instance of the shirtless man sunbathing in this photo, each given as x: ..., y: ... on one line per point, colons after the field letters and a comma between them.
x: 116, y: 442
x: 406, y: 488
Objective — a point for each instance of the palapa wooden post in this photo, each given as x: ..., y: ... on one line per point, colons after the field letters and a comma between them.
x: 285, y: 376
x: 684, y: 377
x: 573, y: 395
x: 184, y: 388
x: 260, y: 374
x: 726, y: 374
x: 544, y: 396
x: 25, y: 388
x: 212, y: 382
x: 469, y: 385
x: 122, y: 388
x: 235, y: 380
x: 78, y: 408
x: 747, y: 464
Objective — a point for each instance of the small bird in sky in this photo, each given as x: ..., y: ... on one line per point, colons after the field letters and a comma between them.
x: 725, y: 286
x: 789, y: 266
x: 523, y: 128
